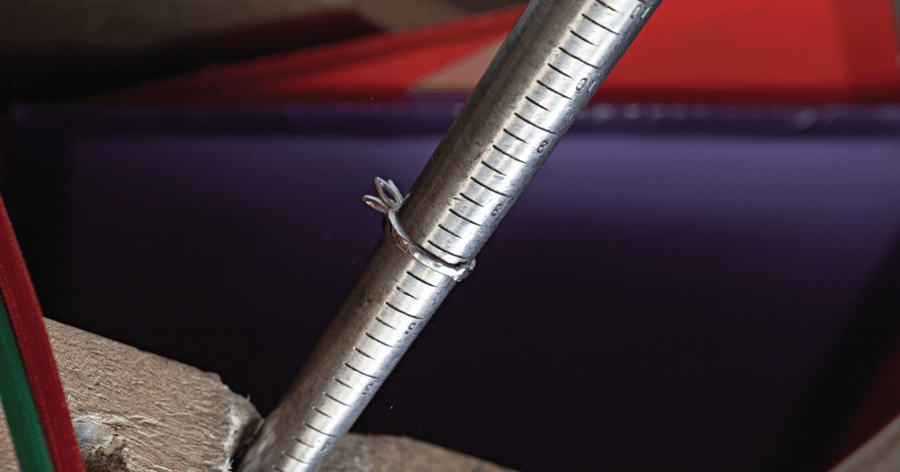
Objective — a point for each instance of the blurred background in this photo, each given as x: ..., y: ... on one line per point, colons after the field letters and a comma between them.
x: 704, y: 276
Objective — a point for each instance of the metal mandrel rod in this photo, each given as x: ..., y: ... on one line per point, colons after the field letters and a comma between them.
x: 547, y: 70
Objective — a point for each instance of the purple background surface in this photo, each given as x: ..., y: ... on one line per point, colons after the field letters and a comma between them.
x: 668, y: 293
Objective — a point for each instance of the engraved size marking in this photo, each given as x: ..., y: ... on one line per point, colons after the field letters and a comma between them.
x: 368, y: 389
x: 363, y: 353
x: 344, y: 384
x: 359, y: 371
x: 318, y: 431
x: 536, y: 103
x: 335, y: 399
x: 641, y: 10
x: 442, y: 249
x: 447, y: 230
x: 400, y: 311
x: 577, y: 59
x: 320, y: 412
x: 463, y: 217
x: 514, y: 136
x: 543, y: 146
x: 497, y: 209
x: 407, y: 293
x: 292, y: 457
x: 581, y: 84
x: 505, y: 154
x: 412, y: 326
x: 555, y: 91
x: 489, y: 188
x: 607, y: 6
x: 492, y: 168
x: 557, y: 70
x: 582, y: 38
x: 374, y: 339
x: 532, y: 124
x: 384, y: 322
x: 470, y: 198
x: 598, y: 24
x: 421, y: 279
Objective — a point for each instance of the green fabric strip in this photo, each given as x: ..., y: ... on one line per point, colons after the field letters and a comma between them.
x: 18, y: 404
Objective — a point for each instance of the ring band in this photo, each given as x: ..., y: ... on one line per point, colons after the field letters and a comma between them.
x: 388, y: 202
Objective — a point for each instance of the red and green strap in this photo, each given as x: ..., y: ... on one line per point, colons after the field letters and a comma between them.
x: 36, y: 357
x: 18, y: 405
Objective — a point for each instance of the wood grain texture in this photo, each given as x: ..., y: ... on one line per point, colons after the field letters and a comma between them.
x: 372, y: 453
x: 138, y: 412
x: 162, y: 415
x: 8, y: 461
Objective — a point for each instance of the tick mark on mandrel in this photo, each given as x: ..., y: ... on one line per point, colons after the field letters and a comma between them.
x: 514, y: 136
x: 534, y: 124
x: 407, y: 293
x: 342, y: 383
x: 363, y: 353
x: 557, y: 69
x: 335, y: 399
x: 442, y: 249
x: 420, y: 279
x: 493, y: 168
x: 463, y: 217
x: 447, y: 230
x: 401, y: 312
x: 374, y: 339
x: 384, y: 323
x: 317, y: 430
x: 317, y: 410
x: 598, y: 23
x: 470, y: 198
x: 577, y: 59
x: 501, y: 151
x: 489, y: 188
x: 554, y: 90
x: 359, y: 372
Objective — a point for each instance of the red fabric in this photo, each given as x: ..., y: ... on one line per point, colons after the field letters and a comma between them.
x: 31, y: 334
x: 803, y: 51
x: 381, y: 66
x: 757, y: 51
x: 753, y: 51
x: 871, y: 48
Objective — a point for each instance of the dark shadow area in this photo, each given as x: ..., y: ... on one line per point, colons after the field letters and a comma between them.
x: 826, y: 414
x: 664, y: 296
x: 73, y: 74
x: 35, y: 192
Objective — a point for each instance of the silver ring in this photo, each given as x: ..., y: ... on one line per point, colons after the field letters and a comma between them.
x: 388, y: 203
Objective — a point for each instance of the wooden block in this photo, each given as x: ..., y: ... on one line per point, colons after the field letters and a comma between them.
x: 372, y: 453
x: 138, y: 412
x: 8, y: 461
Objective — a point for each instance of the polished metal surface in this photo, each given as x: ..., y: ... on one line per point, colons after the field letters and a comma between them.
x: 551, y: 64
